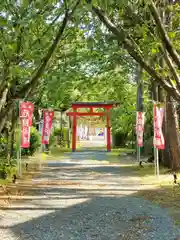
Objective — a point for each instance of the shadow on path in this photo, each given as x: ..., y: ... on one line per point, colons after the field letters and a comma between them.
x: 97, y: 218
x: 85, y: 202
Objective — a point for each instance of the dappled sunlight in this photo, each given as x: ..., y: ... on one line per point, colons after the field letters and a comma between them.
x: 89, y: 94
x: 35, y: 208
x: 74, y: 196
x: 97, y: 218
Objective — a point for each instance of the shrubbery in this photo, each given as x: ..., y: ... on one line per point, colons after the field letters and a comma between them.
x: 3, y: 146
x: 120, y: 139
x: 59, y: 137
x: 7, y: 170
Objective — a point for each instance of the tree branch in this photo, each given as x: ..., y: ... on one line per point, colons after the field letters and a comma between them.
x: 25, y: 91
x: 172, y: 68
x: 46, y: 31
x: 120, y: 35
x: 3, y: 97
x: 163, y: 34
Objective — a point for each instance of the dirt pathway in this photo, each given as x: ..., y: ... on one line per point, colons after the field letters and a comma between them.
x: 85, y: 198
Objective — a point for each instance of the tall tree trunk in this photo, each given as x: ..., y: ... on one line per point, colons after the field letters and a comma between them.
x: 3, y: 98
x: 12, y: 135
x: 167, y: 154
x: 173, y: 132
x: 5, y: 114
x: 6, y: 135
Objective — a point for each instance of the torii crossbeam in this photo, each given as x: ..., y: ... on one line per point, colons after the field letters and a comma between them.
x: 91, y: 105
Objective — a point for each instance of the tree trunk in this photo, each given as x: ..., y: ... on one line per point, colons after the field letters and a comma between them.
x: 166, y: 153
x: 4, y: 115
x: 173, y: 133
x: 3, y: 98
x: 12, y: 135
x: 6, y: 135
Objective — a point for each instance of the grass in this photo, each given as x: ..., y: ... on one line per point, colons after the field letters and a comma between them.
x: 119, y: 151
x: 58, y: 151
x: 8, y: 189
x: 162, y: 191
x: 147, y: 170
x: 4, y: 181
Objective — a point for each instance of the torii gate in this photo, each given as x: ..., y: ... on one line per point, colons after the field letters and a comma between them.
x: 91, y: 105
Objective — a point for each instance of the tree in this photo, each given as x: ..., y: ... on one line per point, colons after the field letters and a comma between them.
x: 132, y: 40
x: 30, y: 34
x: 91, y: 72
x: 137, y: 26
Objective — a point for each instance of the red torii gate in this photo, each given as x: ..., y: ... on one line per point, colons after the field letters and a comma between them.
x: 91, y: 106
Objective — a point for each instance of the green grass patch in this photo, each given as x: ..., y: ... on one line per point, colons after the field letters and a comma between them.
x: 147, y: 170
x: 166, y: 196
x: 56, y: 151
x: 120, y: 151
x: 162, y: 191
x: 4, y: 181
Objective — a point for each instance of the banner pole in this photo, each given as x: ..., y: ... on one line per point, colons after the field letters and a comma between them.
x: 139, y: 134
x: 40, y: 150
x: 157, y: 161
x: 156, y: 150
x: 69, y: 134
x: 138, y: 153
x: 17, y: 156
x: 19, y: 149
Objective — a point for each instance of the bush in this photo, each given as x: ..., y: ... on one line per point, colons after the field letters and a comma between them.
x: 59, y: 137
x: 148, y: 148
x: 3, y: 146
x: 35, y: 142
x: 7, y: 170
x: 120, y: 139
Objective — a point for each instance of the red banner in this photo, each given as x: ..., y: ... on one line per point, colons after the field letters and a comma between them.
x: 47, y: 125
x: 139, y: 128
x: 158, y: 135
x: 26, y: 113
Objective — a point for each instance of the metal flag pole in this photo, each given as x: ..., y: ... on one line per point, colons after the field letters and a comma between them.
x: 138, y: 153
x: 156, y: 151
x: 19, y: 143
x: 69, y: 132
x: 157, y: 163
x: 41, y: 149
x: 139, y: 107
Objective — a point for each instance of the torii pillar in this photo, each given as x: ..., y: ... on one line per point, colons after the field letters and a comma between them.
x: 91, y: 106
x: 108, y: 130
x: 74, y: 130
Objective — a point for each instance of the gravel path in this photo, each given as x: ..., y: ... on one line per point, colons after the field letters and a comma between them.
x: 83, y: 199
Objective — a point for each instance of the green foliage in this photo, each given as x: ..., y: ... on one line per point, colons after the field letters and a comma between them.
x: 7, y: 170
x: 59, y: 137
x: 30, y: 36
x: 120, y: 139
x: 3, y: 173
x: 3, y: 146
x: 139, y: 27
x: 89, y: 64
